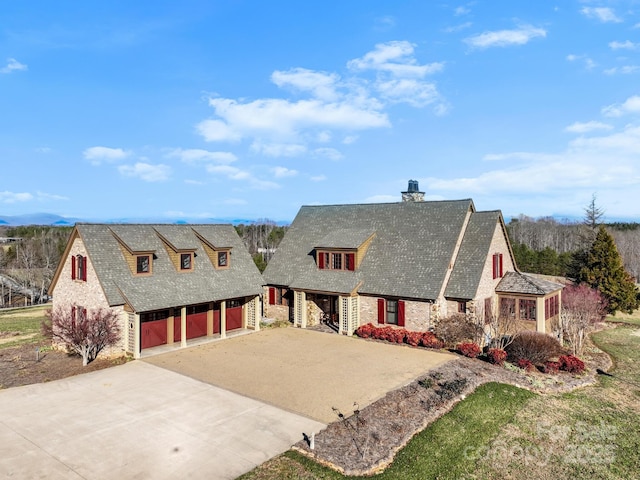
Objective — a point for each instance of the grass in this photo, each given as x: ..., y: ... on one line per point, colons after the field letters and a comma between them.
x: 501, y: 432
x: 619, y: 317
x: 23, y: 324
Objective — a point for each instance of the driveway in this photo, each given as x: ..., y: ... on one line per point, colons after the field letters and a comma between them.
x: 304, y: 371
x: 138, y: 421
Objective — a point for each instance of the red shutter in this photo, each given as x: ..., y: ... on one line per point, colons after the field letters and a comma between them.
x: 400, y: 313
x: 84, y: 268
x: 320, y: 260
x: 500, y: 271
x: 382, y: 307
x: 351, y: 261
x: 272, y: 296
x: 73, y: 315
x: 73, y: 268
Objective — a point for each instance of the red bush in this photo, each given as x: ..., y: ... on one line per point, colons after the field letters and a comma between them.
x: 469, y: 349
x: 551, y: 367
x: 525, y: 364
x: 571, y: 364
x: 497, y: 356
x: 413, y: 338
x: 365, y: 331
x: 429, y: 340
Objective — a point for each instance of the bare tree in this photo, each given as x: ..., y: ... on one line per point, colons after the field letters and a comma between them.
x: 87, y: 334
x: 582, y: 307
x: 592, y: 214
x: 500, y: 321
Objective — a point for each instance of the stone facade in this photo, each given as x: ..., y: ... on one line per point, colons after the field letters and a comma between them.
x: 417, y: 314
x: 279, y: 312
x: 87, y: 294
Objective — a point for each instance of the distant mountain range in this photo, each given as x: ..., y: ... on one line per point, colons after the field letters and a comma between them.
x: 57, y: 220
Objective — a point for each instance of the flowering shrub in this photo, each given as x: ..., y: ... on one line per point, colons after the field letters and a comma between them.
x: 365, y: 331
x: 429, y: 340
x: 525, y: 364
x: 413, y: 338
x: 571, y: 364
x: 551, y: 367
x: 497, y: 356
x: 469, y: 349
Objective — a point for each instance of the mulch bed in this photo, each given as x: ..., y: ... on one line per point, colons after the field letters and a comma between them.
x: 18, y: 365
x: 365, y: 442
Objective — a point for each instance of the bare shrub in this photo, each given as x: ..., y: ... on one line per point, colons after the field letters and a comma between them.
x: 582, y: 307
x: 457, y: 329
x: 86, y: 333
x: 533, y: 346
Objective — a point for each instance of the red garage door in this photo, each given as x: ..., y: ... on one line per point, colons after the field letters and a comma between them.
x: 153, y: 333
x: 234, y: 315
x: 196, y: 323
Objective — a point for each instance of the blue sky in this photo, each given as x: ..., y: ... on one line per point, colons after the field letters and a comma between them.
x: 250, y: 109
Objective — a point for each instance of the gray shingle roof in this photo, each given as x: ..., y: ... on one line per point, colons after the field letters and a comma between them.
x: 167, y: 287
x: 408, y: 256
x: 345, y: 238
x: 523, y: 283
x: 467, y: 271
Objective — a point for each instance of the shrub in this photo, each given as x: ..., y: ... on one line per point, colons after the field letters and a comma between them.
x: 534, y: 346
x: 429, y: 340
x: 497, y: 356
x: 458, y: 329
x: 470, y: 350
x: 551, y: 367
x: 413, y: 338
x: 571, y: 364
x: 525, y: 364
x: 365, y: 331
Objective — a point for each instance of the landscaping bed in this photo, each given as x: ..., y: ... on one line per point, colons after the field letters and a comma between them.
x: 366, y: 442
x: 20, y: 365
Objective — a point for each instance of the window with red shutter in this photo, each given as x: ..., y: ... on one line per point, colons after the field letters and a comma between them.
x: 272, y: 296
x: 382, y: 308
x: 84, y: 269
x: 73, y: 267
x: 400, y: 313
x: 321, y: 263
x: 350, y: 260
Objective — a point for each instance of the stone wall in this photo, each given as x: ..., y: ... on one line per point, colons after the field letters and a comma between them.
x: 87, y: 294
x: 417, y: 315
x: 279, y: 312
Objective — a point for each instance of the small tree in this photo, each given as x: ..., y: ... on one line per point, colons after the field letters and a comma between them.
x: 582, y: 306
x: 500, y: 323
x: 87, y: 334
x: 603, y: 269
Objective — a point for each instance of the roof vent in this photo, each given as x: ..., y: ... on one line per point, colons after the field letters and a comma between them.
x: 413, y: 193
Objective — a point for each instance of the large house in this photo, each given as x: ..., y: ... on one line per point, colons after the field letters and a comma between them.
x: 409, y: 264
x: 168, y: 283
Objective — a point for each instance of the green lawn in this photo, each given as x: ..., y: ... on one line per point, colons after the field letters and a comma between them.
x: 22, y: 325
x: 502, y: 432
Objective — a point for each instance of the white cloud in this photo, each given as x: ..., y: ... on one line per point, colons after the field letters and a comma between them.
x: 216, y: 131
x: 585, y: 127
x: 146, y: 171
x: 349, y: 139
x: 588, y: 62
x: 44, y: 150
x: 504, y: 38
x: 319, y: 84
x: 406, y: 90
x: 327, y: 152
x: 458, y: 28
x: 462, y: 10
x: 96, y: 155
x: 396, y: 58
x: 385, y: 23
x: 278, y: 149
x: 13, y: 197
x: 196, y: 155
x: 603, y: 14
x: 234, y: 173
x: 283, y: 172
x: 630, y: 105
x: 624, y: 70
x: 626, y: 45
x: 46, y: 197
x: 13, y: 66
x: 382, y: 199
x: 318, y: 178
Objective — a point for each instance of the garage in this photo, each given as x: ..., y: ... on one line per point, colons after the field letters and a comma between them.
x: 234, y: 314
x: 153, y: 328
x: 196, y: 322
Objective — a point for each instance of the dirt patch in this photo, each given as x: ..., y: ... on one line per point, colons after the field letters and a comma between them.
x: 8, y: 337
x: 18, y: 365
x: 366, y: 442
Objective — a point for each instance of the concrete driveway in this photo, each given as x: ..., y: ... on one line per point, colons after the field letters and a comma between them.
x: 304, y: 371
x: 138, y: 421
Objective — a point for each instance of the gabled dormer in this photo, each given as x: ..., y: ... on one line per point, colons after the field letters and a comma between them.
x: 343, y: 249
x: 140, y: 261
x: 182, y: 256
x: 220, y: 256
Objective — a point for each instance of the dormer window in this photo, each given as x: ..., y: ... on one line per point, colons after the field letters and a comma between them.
x: 143, y: 264
x: 186, y: 261
x: 336, y: 260
x: 223, y: 259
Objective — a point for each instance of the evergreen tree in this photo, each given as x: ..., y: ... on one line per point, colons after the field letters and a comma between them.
x: 603, y: 270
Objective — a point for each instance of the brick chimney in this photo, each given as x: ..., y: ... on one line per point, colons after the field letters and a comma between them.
x: 413, y: 194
